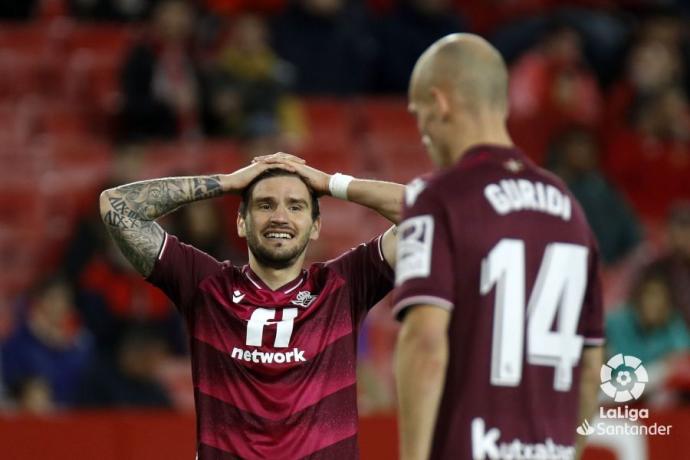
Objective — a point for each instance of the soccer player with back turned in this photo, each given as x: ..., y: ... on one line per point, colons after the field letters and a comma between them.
x: 498, y: 290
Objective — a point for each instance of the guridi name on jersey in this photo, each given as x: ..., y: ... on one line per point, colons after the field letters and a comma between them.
x: 265, y: 357
x: 521, y: 194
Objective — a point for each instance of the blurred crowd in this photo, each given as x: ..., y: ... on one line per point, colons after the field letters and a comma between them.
x: 599, y: 95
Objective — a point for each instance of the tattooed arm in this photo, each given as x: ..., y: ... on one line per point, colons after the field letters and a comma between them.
x: 129, y: 211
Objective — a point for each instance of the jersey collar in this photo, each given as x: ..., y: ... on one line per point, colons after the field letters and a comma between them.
x: 285, y: 289
x: 480, y: 152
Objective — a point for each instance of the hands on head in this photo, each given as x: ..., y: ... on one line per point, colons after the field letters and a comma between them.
x: 316, y: 178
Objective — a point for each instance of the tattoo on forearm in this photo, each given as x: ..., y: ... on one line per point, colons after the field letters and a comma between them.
x: 132, y: 209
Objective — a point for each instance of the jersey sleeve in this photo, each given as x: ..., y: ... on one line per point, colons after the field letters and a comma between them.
x: 367, y: 273
x: 179, y: 269
x: 424, y: 270
x: 592, y: 317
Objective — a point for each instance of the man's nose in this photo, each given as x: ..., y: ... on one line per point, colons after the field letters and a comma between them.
x: 279, y: 215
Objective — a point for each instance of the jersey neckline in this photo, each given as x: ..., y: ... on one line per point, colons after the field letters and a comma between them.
x: 286, y: 288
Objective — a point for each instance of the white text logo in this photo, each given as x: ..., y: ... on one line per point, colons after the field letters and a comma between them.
x: 265, y: 357
x: 486, y: 446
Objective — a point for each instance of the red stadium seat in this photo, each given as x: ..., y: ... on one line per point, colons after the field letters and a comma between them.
x: 389, y: 117
x: 22, y: 38
x: 105, y: 39
x: 391, y: 144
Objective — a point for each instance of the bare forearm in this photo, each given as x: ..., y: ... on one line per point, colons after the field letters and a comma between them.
x: 420, y: 373
x: 592, y: 359
x: 383, y: 197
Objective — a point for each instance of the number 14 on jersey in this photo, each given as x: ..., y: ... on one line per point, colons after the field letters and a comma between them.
x: 559, y: 288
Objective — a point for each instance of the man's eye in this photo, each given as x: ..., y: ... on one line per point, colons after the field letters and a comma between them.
x: 296, y: 208
x: 264, y: 206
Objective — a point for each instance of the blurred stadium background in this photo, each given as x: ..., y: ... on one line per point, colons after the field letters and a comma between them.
x: 100, y: 92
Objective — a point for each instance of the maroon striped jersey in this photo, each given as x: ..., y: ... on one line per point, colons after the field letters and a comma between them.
x: 274, y: 370
x: 503, y: 246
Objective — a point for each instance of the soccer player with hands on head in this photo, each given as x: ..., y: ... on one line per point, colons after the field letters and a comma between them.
x: 273, y: 343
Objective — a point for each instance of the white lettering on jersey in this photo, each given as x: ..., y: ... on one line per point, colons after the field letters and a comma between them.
x: 266, y: 357
x: 486, y: 446
x: 415, y: 238
x: 511, y: 195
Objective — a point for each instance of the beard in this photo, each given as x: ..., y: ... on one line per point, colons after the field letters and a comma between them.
x: 276, y: 258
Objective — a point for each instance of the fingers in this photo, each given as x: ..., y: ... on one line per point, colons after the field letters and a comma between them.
x: 278, y: 157
x: 286, y: 165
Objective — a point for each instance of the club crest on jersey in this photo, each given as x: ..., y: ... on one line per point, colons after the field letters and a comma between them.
x: 303, y: 299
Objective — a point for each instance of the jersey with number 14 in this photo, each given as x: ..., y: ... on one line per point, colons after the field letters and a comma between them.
x: 506, y: 249
x: 274, y: 370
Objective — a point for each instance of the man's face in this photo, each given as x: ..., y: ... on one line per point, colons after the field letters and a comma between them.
x: 425, y: 109
x: 278, y: 223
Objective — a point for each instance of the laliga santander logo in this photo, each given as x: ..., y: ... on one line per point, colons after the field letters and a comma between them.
x: 623, y: 378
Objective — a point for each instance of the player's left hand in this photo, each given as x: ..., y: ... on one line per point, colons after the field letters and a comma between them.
x: 317, y: 179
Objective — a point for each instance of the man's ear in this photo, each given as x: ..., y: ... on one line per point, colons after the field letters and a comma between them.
x: 441, y: 102
x: 241, y: 226
x: 315, y: 229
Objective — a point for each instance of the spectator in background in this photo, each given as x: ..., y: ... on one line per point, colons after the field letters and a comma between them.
x: 328, y: 44
x: 18, y: 10
x: 675, y: 262
x: 405, y: 33
x: 574, y: 157
x: 552, y: 87
x: 202, y: 225
x: 655, y: 61
x: 650, y: 160
x: 249, y: 85
x: 43, y: 360
x: 34, y: 395
x: 129, y: 378
x: 110, y: 10
x: 113, y: 298
x: 232, y: 7
x: 161, y: 84
x: 649, y: 326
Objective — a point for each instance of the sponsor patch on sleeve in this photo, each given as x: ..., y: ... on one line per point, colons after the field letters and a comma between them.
x: 415, y: 238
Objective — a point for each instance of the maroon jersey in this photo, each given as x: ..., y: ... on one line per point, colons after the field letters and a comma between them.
x: 274, y: 370
x: 503, y: 246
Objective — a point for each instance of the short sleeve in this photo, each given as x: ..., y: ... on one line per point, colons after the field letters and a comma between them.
x: 592, y: 316
x: 179, y: 269
x: 424, y: 270
x: 367, y: 273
